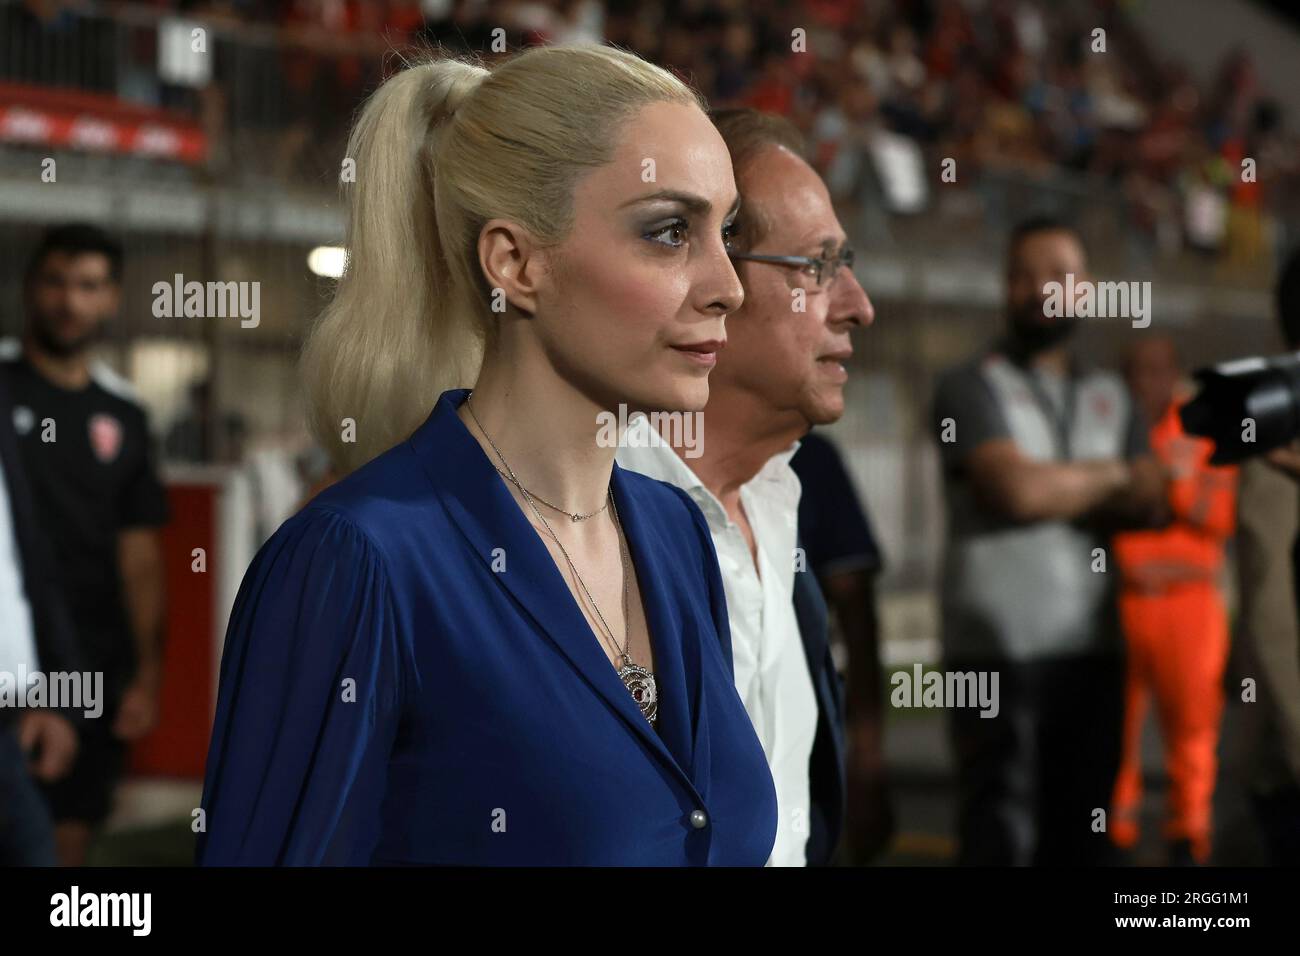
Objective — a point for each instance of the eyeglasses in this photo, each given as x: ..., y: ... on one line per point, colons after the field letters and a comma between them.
x: 822, y: 270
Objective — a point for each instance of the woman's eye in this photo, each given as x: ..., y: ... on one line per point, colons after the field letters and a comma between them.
x: 677, y: 227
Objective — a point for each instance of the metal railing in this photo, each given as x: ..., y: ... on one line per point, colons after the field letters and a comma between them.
x: 274, y: 103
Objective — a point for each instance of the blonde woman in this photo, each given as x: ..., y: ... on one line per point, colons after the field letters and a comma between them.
x: 489, y: 644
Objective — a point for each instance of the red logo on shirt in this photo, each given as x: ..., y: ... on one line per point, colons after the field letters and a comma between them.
x: 1103, y: 406
x: 105, y: 436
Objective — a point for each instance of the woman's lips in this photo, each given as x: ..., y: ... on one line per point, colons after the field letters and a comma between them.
x: 701, y: 353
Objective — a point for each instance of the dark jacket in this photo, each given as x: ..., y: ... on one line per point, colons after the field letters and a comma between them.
x: 826, y: 768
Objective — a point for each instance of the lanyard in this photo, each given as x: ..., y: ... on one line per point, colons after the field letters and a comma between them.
x: 1060, y: 421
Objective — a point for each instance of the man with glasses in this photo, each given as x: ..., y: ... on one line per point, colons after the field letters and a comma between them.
x: 782, y: 372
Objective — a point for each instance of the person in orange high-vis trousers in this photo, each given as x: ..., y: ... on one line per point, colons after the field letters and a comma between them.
x: 1174, y: 619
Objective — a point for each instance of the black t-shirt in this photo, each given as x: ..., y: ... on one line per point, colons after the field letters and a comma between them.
x: 94, y: 479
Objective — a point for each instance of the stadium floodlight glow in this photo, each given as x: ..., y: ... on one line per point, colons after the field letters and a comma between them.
x: 327, y: 261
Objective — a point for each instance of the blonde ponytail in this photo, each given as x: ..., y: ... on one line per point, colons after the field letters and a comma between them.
x: 441, y: 148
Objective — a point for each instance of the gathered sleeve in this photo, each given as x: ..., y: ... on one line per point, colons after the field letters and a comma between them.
x: 310, y: 697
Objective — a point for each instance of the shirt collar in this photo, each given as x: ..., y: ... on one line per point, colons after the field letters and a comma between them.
x: 640, y: 451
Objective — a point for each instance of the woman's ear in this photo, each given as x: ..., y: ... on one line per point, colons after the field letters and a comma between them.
x: 509, y: 257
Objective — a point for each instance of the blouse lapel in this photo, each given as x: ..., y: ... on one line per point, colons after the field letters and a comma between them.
x: 486, y: 513
x: 678, y: 679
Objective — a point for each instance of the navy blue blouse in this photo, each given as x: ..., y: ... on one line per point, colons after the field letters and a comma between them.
x: 407, y: 679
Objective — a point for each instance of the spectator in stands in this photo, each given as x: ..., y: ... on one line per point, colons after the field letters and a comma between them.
x: 49, y: 43
x: 997, y: 87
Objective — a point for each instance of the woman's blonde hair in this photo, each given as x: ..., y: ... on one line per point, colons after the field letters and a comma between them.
x: 439, y: 149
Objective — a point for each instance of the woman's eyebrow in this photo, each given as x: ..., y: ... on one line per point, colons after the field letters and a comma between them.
x: 696, y: 204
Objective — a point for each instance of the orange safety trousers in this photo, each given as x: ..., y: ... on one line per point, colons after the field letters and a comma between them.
x: 1177, y: 649
x: 1176, y: 628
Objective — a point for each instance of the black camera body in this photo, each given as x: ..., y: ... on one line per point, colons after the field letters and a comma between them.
x: 1246, y: 406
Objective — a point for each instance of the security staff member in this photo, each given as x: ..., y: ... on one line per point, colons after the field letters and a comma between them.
x: 87, y: 457
x: 1039, y: 455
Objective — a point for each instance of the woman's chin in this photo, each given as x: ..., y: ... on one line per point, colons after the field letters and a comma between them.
x: 667, y: 393
x: 685, y: 395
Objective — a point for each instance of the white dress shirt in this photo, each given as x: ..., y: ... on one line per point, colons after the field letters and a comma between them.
x: 771, y: 669
x: 17, y: 632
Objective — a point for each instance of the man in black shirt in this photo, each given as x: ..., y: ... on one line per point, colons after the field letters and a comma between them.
x: 86, y: 452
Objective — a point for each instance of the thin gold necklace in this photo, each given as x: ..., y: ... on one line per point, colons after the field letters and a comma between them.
x: 640, y: 681
x: 515, y: 482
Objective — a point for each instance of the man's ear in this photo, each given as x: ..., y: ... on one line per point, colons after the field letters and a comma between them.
x: 512, y: 261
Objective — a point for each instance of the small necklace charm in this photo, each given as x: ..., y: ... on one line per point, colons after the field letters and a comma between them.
x: 640, y: 682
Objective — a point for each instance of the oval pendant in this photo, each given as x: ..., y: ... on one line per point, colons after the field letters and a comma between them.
x: 640, y: 682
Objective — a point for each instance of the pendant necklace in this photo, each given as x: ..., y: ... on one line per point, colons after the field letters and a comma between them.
x: 640, y: 681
